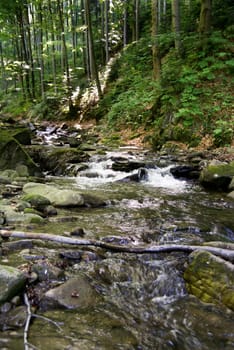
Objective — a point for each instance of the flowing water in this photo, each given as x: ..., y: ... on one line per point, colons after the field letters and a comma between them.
x: 142, y: 300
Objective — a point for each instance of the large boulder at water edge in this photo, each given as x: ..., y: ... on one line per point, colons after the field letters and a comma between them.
x: 217, y: 175
x: 210, y: 278
x: 62, y: 197
x: 12, y: 281
x: 56, y: 160
x: 56, y: 196
x: 13, y: 154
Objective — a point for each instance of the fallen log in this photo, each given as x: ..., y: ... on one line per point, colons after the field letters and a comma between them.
x: 227, y: 254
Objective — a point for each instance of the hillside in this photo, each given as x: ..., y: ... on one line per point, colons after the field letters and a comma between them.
x: 192, y: 104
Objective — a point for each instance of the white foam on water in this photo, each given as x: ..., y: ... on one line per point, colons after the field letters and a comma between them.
x: 100, y: 172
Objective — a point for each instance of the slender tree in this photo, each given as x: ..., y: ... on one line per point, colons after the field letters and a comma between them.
x: 205, y: 17
x: 176, y: 25
x: 155, y: 43
x: 92, y: 60
x: 65, y: 54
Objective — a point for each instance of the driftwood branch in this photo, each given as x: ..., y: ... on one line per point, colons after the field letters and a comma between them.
x: 227, y: 254
x: 27, y: 345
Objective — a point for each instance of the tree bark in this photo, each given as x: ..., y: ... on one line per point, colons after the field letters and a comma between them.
x: 93, y: 64
x: 155, y: 44
x: 175, y: 9
x: 227, y: 254
x: 205, y: 17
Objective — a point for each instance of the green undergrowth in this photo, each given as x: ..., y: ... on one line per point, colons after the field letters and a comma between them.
x: 193, y: 99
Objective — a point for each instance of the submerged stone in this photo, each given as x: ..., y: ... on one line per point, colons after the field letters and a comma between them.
x: 73, y: 294
x: 210, y: 278
x: 14, y: 318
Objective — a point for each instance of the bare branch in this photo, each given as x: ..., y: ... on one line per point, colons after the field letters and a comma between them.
x: 227, y: 254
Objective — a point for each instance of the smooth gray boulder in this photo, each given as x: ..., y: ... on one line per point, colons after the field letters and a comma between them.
x: 56, y: 196
x: 12, y: 281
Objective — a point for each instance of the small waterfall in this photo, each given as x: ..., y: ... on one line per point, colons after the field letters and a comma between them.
x: 100, y: 172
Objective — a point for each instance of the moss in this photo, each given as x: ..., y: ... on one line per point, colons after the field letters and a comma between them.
x: 217, y: 176
x: 12, y: 153
x: 211, y: 279
x: 36, y: 200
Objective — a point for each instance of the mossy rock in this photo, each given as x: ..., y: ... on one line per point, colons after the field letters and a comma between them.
x: 56, y: 196
x: 12, y: 281
x: 21, y: 134
x: 57, y: 160
x: 210, y: 278
x: 13, y: 155
x: 37, y: 201
x: 217, y: 176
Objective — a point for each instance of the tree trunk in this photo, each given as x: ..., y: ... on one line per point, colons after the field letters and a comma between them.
x: 205, y: 17
x: 92, y: 62
x: 205, y: 22
x: 125, y: 24
x: 54, y: 66
x: 137, y: 6
x: 40, y: 51
x: 155, y: 44
x: 176, y: 25
x: 107, y: 30
x: 65, y: 55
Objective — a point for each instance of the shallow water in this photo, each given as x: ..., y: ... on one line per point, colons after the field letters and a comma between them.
x: 143, y: 302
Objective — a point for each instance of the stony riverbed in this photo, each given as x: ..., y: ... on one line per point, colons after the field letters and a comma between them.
x: 96, y: 299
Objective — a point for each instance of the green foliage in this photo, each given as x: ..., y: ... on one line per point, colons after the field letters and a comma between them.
x: 192, y: 100
x: 223, y: 132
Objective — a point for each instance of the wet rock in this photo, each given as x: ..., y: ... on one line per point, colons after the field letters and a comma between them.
x: 37, y: 201
x: 58, y: 160
x: 117, y: 240
x: 12, y: 281
x: 78, y: 231
x: 4, y: 180
x: 10, y: 191
x: 71, y: 256
x: 93, y: 201
x: 13, y: 154
x: 57, y: 197
x: 231, y: 195
x: 76, y: 293
x: 49, y: 210
x: 46, y: 271
x: 14, y: 217
x: 13, y: 319
x: 33, y: 211
x: 8, y: 175
x: 141, y: 175
x: 74, y: 257
x: 210, y: 278
x: 2, y: 218
x: 124, y: 164
x: 17, y: 245
x: 22, y: 170
x: 231, y: 186
x: 185, y: 172
x: 22, y: 205
x: 217, y: 176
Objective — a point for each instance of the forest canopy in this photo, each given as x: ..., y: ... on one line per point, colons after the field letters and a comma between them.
x: 51, y: 51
